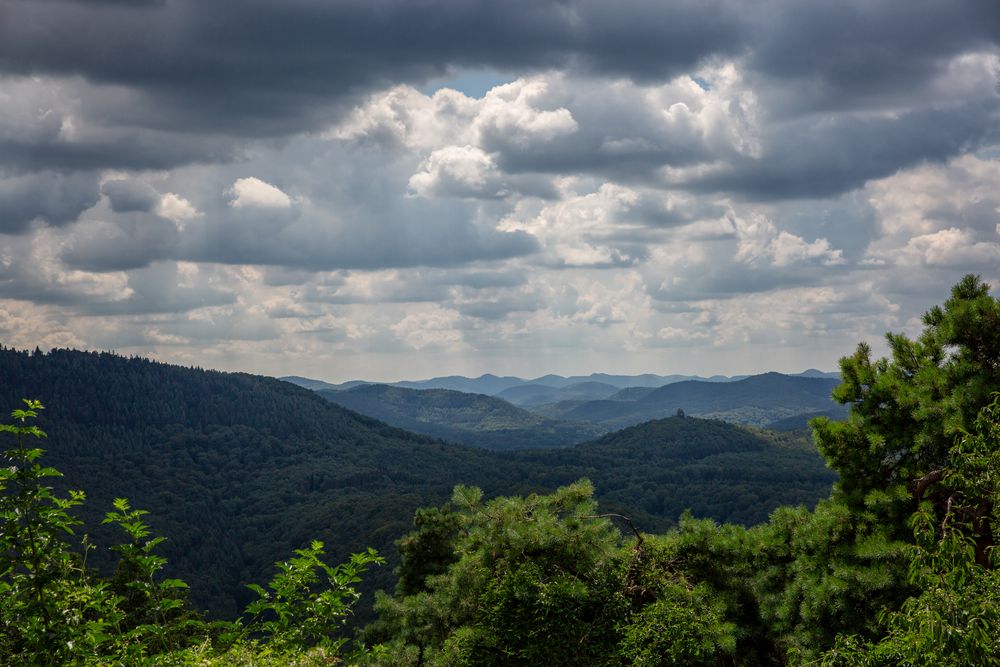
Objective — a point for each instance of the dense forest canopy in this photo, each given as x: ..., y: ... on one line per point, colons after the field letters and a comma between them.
x: 896, y: 567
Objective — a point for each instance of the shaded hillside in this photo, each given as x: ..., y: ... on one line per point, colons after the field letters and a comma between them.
x: 527, y: 394
x: 623, y: 381
x: 632, y: 393
x: 238, y: 470
x: 471, y: 419
x: 663, y: 467
x: 801, y: 422
x: 309, y: 383
x: 484, y: 384
x: 530, y: 395
x: 758, y: 400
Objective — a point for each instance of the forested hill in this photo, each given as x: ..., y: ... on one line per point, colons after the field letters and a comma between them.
x: 660, y: 468
x: 759, y: 399
x: 239, y: 470
x: 471, y: 419
x: 540, y: 394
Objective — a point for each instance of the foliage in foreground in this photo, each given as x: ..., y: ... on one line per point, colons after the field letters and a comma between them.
x: 546, y: 580
x: 55, y: 610
x: 955, y: 616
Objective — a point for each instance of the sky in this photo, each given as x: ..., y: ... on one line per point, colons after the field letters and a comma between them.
x: 399, y: 189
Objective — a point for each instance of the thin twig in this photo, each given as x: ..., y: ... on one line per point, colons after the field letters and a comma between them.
x: 620, y: 516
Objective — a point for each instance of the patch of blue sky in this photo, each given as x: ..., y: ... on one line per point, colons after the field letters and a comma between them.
x: 704, y: 84
x: 474, y: 83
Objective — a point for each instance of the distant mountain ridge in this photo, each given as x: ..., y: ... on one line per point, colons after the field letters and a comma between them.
x: 472, y: 419
x: 493, y: 385
x: 756, y: 400
x: 547, y: 416
x: 527, y: 395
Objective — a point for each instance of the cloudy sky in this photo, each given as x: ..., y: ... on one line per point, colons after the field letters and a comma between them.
x: 396, y: 189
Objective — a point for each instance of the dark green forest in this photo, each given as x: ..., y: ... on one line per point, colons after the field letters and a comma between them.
x: 522, y: 562
x: 471, y: 419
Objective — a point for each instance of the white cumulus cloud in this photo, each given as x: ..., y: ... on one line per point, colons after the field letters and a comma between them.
x: 951, y: 248
x: 761, y: 241
x: 252, y: 191
x: 458, y: 171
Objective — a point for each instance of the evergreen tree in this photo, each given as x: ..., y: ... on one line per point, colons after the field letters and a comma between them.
x: 906, y: 411
x: 954, y: 618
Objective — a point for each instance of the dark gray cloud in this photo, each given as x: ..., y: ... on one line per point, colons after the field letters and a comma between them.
x: 724, y: 279
x: 250, y: 63
x: 159, y: 84
x: 281, y: 276
x: 28, y: 273
x: 619, y: 131
x: 132, y: 241
x: 318, y: 247
x: 417, y: 285
x: 158, y: 289
x: 726, y: 140
x: 837, y: 53
x: 119, y: 148
x: 265, y: 66
x: 825, y: 157
x: 128, y: 195
x: 53, y: 197
x: 500, y: 306
x: 488, y: 279
x: 652, y: 209
x: 72, y: 124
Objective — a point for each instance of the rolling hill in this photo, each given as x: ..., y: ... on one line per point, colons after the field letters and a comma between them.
x: 534, y: 394
x: 657, y: 467
x: 470, y: 419
x: 756, y: 400
x: 801, y: 422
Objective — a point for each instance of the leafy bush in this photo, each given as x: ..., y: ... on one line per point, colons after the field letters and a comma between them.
x: 54, y: 610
